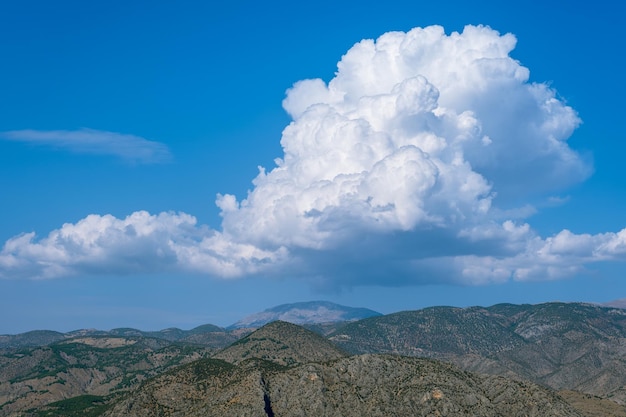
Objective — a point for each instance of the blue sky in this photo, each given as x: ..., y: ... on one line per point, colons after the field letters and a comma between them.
x: 470, y: 174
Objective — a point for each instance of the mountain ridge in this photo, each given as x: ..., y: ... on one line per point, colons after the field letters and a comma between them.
x: 311, y: 313
x: 42, y: 337
x: 561, y: 345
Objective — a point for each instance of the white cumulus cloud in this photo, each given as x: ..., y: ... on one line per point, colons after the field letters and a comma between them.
x: 139, y: 243
x: 128, y: 147
x: 414, y: 164
x: 416, y: 130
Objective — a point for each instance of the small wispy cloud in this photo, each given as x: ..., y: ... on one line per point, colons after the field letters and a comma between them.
x: 554, y: 201
x: 128, y: 147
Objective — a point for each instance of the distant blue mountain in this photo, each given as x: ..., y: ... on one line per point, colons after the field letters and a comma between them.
x: 621, y: 303
x: 311, y: 312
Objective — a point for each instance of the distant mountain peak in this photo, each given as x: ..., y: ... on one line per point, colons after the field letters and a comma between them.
x: 620, y: 303
x: 310, y: 312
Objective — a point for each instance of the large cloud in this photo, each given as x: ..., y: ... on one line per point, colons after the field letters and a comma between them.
x: 402, y: 169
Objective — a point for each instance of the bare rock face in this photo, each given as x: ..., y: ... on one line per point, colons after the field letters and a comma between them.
x: 365, y: 385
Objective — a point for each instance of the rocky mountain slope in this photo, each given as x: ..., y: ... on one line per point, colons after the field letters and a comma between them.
x: 306, y: 313
x: 431, y: 332
x: 32, y: 377
x: 563, y: 346
x: 364, y: 385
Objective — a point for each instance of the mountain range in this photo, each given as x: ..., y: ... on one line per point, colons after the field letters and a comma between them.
x: 285, y: 370
x: 561, y: 358
x: 315, y: 314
